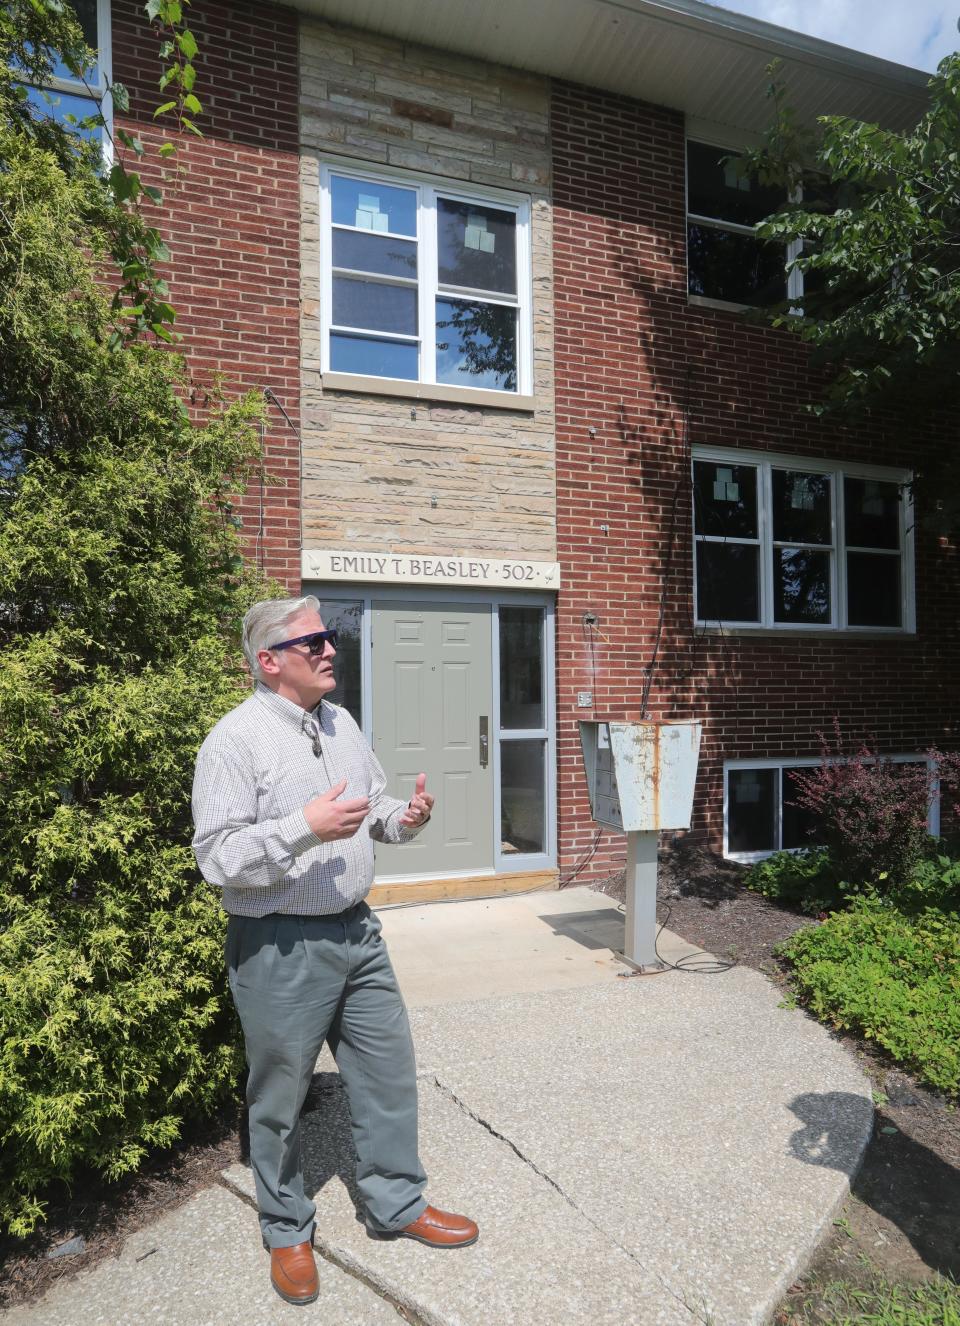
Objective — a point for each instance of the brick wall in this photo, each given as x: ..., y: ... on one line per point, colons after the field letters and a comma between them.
x: 408, y: 475
x: 652, y: 375
x: 231, y: 223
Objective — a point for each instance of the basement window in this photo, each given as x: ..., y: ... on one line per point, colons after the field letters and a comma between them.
x: 760, y: 811
x: 795, y: 544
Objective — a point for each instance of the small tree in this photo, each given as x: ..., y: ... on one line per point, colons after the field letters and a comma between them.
x: 121, y: 586
x: 879, y: 224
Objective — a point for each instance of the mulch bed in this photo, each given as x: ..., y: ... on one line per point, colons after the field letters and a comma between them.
x: 902, y: 1219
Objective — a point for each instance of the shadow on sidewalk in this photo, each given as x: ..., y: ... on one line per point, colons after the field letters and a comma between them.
x: 900, y: 1179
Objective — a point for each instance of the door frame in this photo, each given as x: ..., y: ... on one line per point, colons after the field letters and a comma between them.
x: 367, y: 592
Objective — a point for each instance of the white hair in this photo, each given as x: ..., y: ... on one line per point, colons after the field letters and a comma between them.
x: 266, y: 622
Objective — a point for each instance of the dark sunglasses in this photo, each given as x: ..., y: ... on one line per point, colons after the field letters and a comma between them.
x: 315, y: 641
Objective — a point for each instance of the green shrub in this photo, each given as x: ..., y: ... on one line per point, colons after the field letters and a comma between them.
x: 807, y: 879
x: 933, y: 882
x: 120, y: 582
x: 889, y: 976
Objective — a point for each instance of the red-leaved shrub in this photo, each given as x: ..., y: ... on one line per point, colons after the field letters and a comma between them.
x: 872, y: 812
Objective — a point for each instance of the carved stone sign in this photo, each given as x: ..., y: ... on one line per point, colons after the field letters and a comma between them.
x: 404, y: 569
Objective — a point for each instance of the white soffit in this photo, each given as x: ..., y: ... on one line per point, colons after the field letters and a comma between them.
x: 690, y: 56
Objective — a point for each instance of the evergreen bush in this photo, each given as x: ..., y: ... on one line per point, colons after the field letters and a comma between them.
x: 119, y: 581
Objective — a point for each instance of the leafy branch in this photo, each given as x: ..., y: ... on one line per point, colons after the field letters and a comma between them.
x: 34, y: 36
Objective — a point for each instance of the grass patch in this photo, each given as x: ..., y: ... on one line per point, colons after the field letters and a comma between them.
x: 890, y: 976
x: 934, y: 1303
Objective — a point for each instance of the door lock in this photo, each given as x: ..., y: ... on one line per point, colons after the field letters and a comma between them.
x: 484, y: 741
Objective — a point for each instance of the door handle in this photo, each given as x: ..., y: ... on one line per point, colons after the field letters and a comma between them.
x: 484, y: 741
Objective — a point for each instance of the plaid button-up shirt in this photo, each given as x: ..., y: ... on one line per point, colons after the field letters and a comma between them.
x: 255, y: 773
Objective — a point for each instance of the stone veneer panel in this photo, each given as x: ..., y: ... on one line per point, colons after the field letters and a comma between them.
x: 374, y: 464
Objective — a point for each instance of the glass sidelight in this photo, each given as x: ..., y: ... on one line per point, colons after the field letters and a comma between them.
x: 346, y: 618
x: 523, y: 732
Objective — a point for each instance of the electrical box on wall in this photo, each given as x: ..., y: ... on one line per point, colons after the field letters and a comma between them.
x: 641, y: 776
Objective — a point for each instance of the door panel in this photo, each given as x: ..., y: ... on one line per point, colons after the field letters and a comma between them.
x: 431, y: 687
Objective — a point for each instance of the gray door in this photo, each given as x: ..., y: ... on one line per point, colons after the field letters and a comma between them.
x: 431, y: 708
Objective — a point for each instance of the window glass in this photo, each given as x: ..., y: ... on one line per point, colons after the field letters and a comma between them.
x: 799, y: 824
x: 477, y: 246
x: 374, y: 306
x: 723, y: 264
x: 873, y: 590
x: 715, y: 188
x: 522, y: 797
x: 49, y: 104
x: 377, y: 358
x: 346, y: 618
x: 521, y: 667
x: 372, y: 205
x: 871, y: 513
x: 728, y: 582
x: 801, y: 507
x: 801, y: 585
x: 383, y: 255
x: 752, y: 809
x: 477, y: 344
x: 86, y: 12
x: 725, y: 498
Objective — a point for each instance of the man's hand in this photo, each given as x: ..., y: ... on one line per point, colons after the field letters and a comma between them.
x: 331, y: 819
x: 421, y: 804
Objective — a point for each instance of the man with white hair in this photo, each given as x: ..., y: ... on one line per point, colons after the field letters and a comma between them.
x: 287, y: 797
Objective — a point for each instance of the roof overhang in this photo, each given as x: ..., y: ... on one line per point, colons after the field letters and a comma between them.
x: 684, y: 54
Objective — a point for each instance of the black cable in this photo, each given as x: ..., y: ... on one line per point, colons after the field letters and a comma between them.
x: 708, y: 965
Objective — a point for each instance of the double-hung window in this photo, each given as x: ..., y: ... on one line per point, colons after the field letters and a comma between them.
x: 726, y: 261
x: 425, y: 284
x: 65, y: 94
x: 796, y: 544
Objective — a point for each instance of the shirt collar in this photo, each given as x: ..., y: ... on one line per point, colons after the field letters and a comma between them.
x: 301, y: 720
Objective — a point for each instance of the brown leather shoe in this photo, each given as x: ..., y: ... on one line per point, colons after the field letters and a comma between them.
x: 441, y: 1229
x: 293, y: 1273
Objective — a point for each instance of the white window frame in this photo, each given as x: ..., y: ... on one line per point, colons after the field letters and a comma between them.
x: 766, y: 462
x: 513, y: 862
x: 100, y: 88
x: 428, y: 190
x: 793, y: 282
x: 808, y: 762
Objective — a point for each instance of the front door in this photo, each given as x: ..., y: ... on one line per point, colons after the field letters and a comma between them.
x: 432, y: 690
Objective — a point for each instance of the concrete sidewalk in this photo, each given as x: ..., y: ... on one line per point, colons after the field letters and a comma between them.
x: 657, y: 1149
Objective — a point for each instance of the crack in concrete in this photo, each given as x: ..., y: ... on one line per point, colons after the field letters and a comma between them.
x: 408, y: 1311
x: 584, y: 1215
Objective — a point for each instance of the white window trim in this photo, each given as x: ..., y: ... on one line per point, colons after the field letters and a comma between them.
x: 768, y: 461
x: 428, y: 188
x: 514, y: 862
x: 807, y: 762
x: 101, y: 88
x: 733, y: 142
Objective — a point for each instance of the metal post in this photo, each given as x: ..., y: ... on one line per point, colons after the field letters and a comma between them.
x: 641, y: 927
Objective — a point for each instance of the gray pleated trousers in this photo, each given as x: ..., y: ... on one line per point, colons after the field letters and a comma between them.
x: 297, y: 981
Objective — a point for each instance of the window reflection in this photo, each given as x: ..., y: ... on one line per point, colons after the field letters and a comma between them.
x: 521, y: 667
x: 801, y: 585
x: 522, y: 797
x: 477, y: 344
x: 346, y: 617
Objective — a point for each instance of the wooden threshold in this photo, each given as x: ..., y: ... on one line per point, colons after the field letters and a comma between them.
x: 473, y: 886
